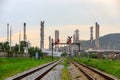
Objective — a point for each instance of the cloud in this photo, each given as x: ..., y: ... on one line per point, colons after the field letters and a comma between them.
x: 62, y: 9
x: 67, y: 14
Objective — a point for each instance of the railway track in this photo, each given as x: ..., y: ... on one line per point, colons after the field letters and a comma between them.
x: 35, y: 74
x: 93, y: 74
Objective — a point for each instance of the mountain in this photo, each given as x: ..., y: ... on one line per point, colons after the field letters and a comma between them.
x: 109, y: 41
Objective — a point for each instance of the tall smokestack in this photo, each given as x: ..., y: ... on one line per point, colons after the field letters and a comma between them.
x: 91, y: 37
x: 24, y: 31
x: 7, y: 32
x: 56, y: 35
x: 42, y: 35
x: 97, y: 36
x: 77, y: 36
x: 25, y: 37
x: 25, y: 40
x: 56, y: 38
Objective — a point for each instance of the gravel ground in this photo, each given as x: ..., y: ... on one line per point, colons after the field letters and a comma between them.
x: 54, y: 74
x: 75, y: 73
x: 39, y: 72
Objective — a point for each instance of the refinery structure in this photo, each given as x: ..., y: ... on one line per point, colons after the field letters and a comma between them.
x: 58, y: 49
x: 56, y: 39
x: 25, y: 39
x: 42, y: 35
x: 70, y: 49
x: 72, y: 45
x: 97, y: 36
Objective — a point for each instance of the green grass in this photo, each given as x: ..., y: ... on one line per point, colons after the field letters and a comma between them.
x: 66, y: 62
x: 12, y: 66
x: 65, y: 72
x: 109, y: 66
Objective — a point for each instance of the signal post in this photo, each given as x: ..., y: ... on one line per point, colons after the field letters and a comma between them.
x: 68, y: 42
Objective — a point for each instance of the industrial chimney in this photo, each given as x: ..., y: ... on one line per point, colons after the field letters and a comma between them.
x: 25, y: 40
x: 91, y: 37
x: 42, y: 35
x: 97, y: 36
x: 56, y: 38
x: 25, y: 37
x: 7, y: 32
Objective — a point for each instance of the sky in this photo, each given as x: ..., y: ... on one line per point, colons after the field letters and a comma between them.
x: 63, y: 15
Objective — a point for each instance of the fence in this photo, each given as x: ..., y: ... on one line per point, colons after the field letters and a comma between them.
x: 6, y: 54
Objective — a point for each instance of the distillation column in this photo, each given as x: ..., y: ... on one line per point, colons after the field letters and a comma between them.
x: 42, y: 35
x: 97, y: 36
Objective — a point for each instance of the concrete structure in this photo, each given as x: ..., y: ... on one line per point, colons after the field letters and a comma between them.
x: 91, y: 37
x: 56, y: 39
x: 97, y: 36
x: 74, y: 48
x: 64, y: 47
x: 48, y: 52
x: 5, y: 55
x: 50, y: 43
x: 42, y: 35
x: 103, y: 51
x: 76, y: 36
x: 110, y: 54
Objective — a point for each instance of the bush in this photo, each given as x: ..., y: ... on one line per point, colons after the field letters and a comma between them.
x: 10, y: 53
x: 93, y: 55
x: 64, y: 54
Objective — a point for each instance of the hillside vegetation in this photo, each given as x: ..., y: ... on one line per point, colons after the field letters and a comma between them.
x: 110, y: 41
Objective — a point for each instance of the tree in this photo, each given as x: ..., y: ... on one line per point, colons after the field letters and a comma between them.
x: 64, y: 54
x: 6, y: 46
x: 93, y: 55
x: 1, y: 46
x: 16, y: 47
x: 33, y: 50
x: 22, y: 45
x: 39, y: 51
